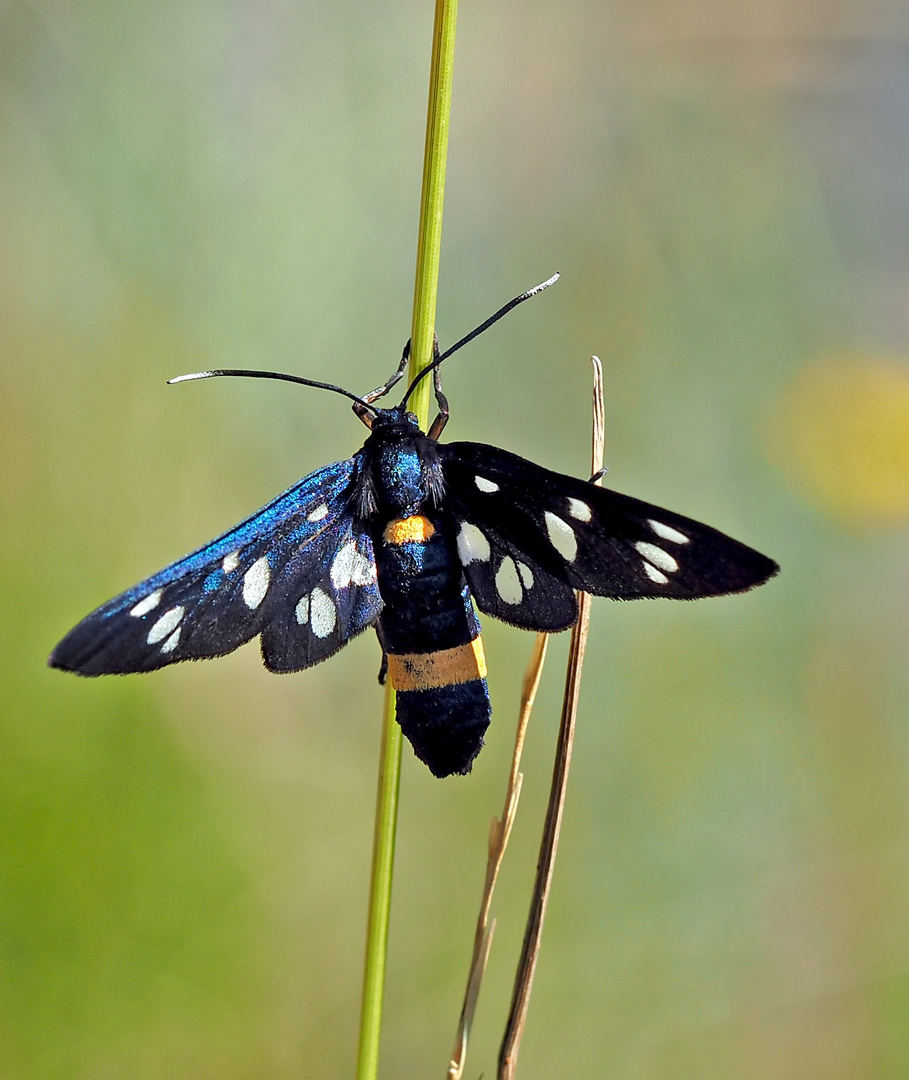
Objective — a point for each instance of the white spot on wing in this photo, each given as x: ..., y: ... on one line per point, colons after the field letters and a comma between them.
x: 666, y: 532
x: 230, y: 562
x: 472, y: 544
x: 255, y: 583
x: 526, y: 576
x: 322, y: 615
x: 655, y: 575
x: 302, y: 610
x: 320, y: 512
x: 148, y: 604
x: 172, y: 641
x: 508, y: 585
x: 165, y: 625
x: 657, y: 556
x: 342, y: 565
x: 579, y: 510
x: 486, y: 485
x: 562, y: 536
x: 363, y: 571
x: 351, y: 567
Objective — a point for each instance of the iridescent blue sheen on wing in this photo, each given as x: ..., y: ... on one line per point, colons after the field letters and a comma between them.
x: 285, y: 515
x: 253, y: 579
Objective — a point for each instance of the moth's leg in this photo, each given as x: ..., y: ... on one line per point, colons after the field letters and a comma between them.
x: 435, y: 429
x: 383, y: 667
x: 381, y: 391
x: 363, y: 413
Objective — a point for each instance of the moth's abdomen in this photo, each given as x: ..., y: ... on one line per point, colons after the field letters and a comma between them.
x: 432, y: 636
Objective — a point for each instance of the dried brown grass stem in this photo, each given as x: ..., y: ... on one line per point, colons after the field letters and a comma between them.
x: 499, y: 832
x: 517, y: 1017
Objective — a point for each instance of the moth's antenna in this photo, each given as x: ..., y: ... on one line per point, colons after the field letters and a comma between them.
x: 243, y: 372
x: 479, y: 330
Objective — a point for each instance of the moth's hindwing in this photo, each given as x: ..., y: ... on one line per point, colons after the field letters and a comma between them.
x: 298, y: 572
x: 528, y: 537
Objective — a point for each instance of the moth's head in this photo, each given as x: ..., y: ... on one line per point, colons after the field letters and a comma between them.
x: 394, y: 421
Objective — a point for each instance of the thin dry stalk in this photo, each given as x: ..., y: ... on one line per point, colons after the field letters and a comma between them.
x: 517, y: 1017
x: 499, y: 832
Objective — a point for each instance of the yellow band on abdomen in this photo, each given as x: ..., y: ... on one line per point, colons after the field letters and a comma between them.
x: 422, y: 671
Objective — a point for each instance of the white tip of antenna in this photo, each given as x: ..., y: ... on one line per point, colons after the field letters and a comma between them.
x: 189, y: 378
x: 543, y: 285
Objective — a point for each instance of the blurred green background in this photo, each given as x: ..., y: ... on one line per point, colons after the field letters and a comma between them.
x: 184, y: 855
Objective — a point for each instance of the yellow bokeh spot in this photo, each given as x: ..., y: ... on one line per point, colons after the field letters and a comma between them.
x: 840, y: 434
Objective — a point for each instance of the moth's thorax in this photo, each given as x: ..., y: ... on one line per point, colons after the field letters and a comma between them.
x: 398, y: 471
x: 404, y: 471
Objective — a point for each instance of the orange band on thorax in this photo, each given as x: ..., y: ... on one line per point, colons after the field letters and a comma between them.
x: 408, y: 530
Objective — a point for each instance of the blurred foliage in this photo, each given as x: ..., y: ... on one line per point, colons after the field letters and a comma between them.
x: 184, y: 856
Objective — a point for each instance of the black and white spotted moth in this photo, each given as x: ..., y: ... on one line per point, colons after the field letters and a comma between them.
x: 406, y: 536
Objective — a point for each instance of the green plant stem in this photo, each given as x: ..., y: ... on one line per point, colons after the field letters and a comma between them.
x: 432, y: 197
x: 429, y: 248
x: 383, y: 853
